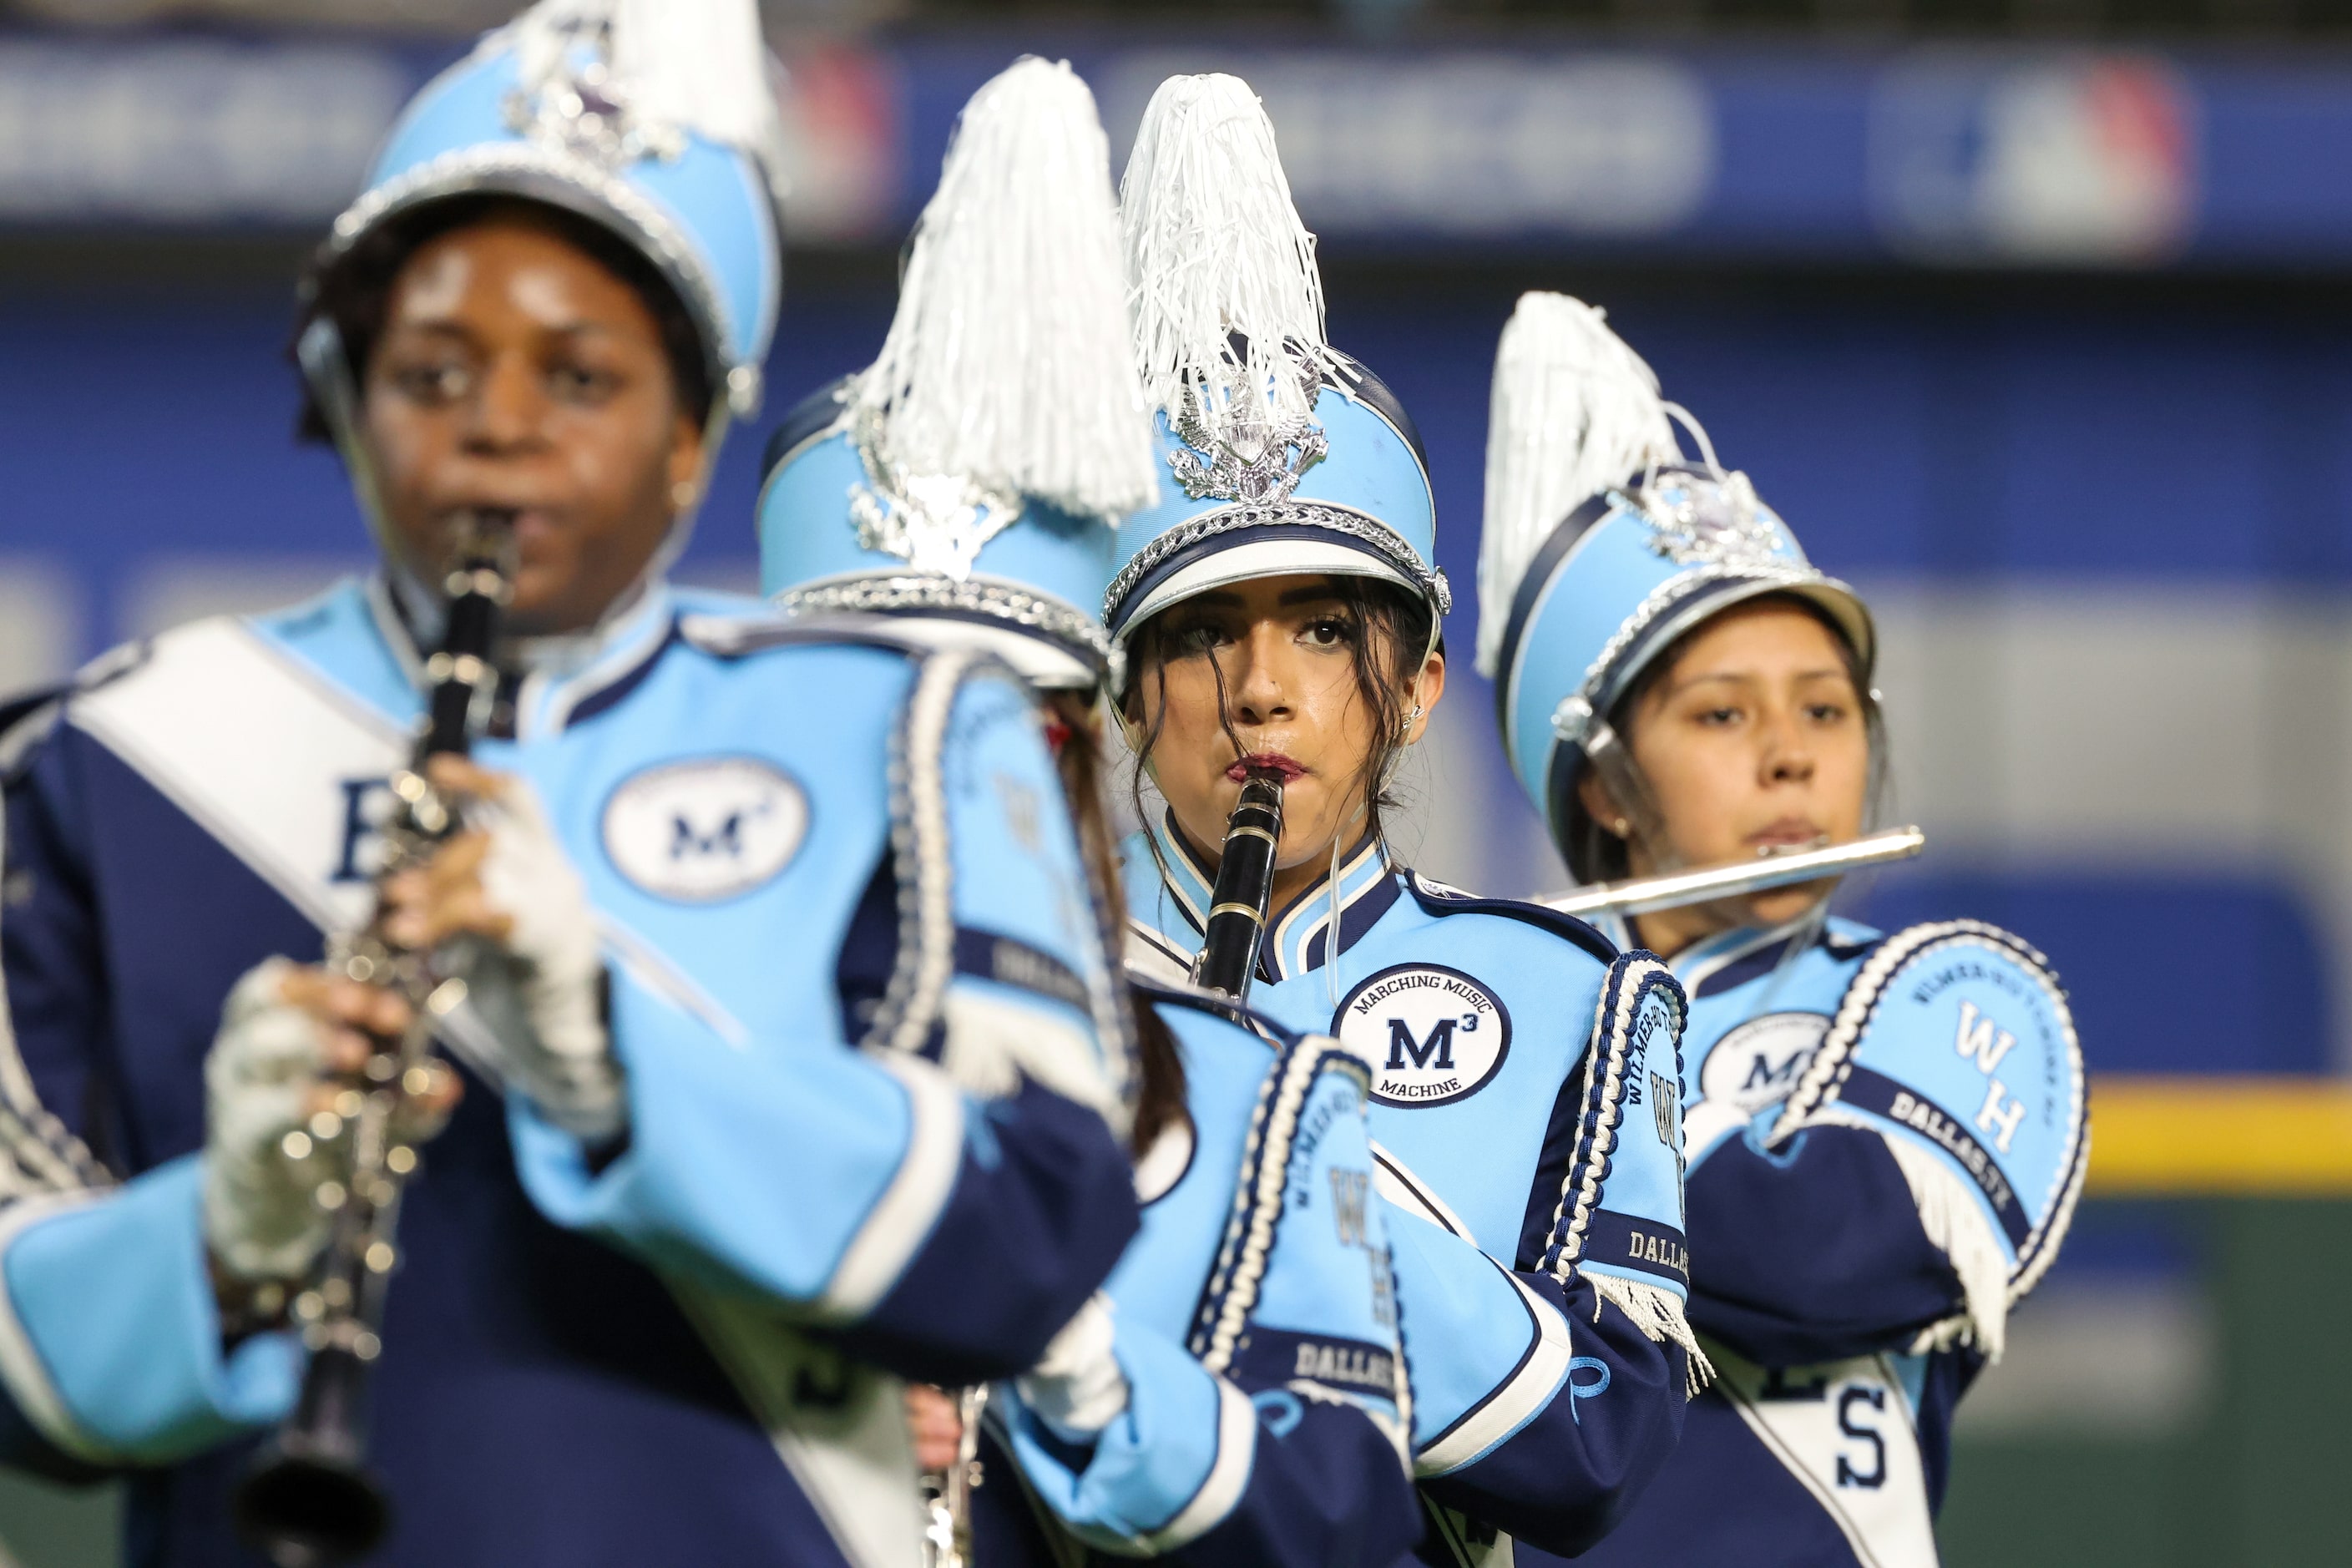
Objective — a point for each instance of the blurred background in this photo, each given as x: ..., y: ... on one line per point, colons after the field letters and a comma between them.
x: 2031, y: 315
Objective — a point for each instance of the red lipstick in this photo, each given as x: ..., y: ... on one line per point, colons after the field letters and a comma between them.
x: 1266, y: 762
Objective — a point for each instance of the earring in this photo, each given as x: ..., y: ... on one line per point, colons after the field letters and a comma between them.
x: 1622, y: 826
x: 684, y: 494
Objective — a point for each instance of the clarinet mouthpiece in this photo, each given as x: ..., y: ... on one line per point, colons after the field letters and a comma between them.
x: 1245, y: 886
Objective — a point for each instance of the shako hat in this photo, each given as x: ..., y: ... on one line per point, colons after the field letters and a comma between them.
x: 655, y: 119
x: 1278, y: 454
x: 969, y: 479
x: 1602, y: 545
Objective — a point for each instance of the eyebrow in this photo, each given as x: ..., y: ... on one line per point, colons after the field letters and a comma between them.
x: 1311, y: 596
x: 451, y: 326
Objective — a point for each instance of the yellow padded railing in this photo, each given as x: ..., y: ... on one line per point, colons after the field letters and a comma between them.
x: 2219, y: 1137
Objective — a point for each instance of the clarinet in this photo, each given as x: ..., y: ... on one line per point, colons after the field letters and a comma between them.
x: 309, y: 1498
x: 1243, y: 890
x: 946, y: 1494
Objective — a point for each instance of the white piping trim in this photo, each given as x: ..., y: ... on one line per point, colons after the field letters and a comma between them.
x: 652, y: 968
x: 1397, y: 1182
x: 897, y: 1225
x: 1703, y: 966
x: 613, y: 663
x: 1226, y: 1481
x: 1518, y: 1401
x: 16, y: 1082
x: 1154, y: 957
x: 919, y: 840
x: 1289, y: 939
x: 1221, y: 1325
x: 1825, y: 1076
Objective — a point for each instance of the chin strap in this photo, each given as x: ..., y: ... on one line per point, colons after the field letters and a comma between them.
x: 1618, y: 773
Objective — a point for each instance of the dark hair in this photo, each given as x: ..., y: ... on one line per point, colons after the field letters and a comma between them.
x: 354, y: 290
x: 1596, y: 855
x: 1160, y: 1100
x: 1390, y: 622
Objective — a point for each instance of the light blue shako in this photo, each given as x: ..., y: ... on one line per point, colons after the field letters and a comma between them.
x: 654, y: 119
x: 1280, y: 454
x: 1244, y: 1355
x: 1523, y: 1071
x: 1602, y: 545
x: 1886, y: 1134
x: 968, y: 482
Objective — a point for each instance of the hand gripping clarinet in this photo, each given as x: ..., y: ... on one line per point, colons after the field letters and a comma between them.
x: 946, y: 1494
x: 1244, y: 890
x: 310, y: 1499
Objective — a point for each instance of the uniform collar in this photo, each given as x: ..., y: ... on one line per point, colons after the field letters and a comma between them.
x: 558, y: 679
x: 1731, y: 959
x: 1299, y: 935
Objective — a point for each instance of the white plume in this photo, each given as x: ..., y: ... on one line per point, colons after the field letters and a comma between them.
x: 1007, y: 361
x: 1214, y: 248
x: 696, y: 65
x: 1574, y: 411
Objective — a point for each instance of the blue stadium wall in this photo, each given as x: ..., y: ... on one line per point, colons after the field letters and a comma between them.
x: 2035, y: 489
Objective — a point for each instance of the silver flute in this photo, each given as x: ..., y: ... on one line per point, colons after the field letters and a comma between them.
x: 1771, y: 869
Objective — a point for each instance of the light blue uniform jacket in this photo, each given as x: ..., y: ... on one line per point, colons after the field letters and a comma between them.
x: 1830, y: 1309
x: 1257, y: 1329
x: 701, y: 1316
x: 1538, y: 1413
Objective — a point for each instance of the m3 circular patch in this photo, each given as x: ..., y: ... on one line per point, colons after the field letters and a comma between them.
x: 703, y: 831
x: 1430, y: 1034
x: 1758, y: 1063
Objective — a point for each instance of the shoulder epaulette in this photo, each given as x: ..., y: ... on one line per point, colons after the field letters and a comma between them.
x: 737, y: 636
x: 733, y: 637
x: 1437, y: 899
x: 1844, y: 945
x: 1214, y: 1004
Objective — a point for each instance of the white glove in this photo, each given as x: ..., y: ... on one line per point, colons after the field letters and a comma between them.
x: 541, y: 991
x: 1077, y: 1387
x: 261, y: 1219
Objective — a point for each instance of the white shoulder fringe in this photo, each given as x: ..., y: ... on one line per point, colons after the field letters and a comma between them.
x: 1659, y: 1314
x: 1955, y: 1223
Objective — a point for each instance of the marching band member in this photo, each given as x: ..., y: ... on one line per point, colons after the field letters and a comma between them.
x: 1235, y: 1396
x: 1279, y: 610
x: 729, y: 1149
x: 1886, y: 1133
